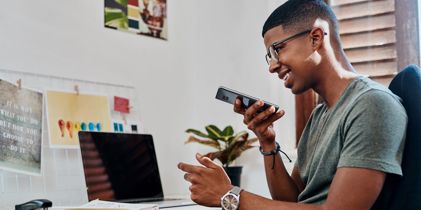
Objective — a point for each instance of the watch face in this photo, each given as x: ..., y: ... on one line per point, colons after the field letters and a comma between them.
x: 230, y: 202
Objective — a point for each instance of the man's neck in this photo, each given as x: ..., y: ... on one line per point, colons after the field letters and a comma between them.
x: 333, y: 82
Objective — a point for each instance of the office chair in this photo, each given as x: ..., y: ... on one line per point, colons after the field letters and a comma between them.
x: 404, y: 193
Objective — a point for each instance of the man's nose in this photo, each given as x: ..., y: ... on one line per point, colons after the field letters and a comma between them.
x: 274, y: 65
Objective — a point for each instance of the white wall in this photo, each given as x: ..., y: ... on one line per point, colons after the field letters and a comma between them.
x: 211, y: 43
x: 419, y: 25
x: 229, y: 51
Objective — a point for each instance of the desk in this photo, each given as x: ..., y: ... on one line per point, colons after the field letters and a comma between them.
x: 194, y: 207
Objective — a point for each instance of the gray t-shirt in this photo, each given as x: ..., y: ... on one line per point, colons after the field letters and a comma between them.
x: 365, y: 129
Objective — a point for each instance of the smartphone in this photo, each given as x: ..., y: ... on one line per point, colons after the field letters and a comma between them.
x: 229, y: 96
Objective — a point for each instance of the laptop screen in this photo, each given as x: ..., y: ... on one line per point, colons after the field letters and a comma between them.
x: 120, y: 166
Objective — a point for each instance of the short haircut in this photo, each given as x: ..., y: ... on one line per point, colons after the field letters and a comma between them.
x: 299, y: 15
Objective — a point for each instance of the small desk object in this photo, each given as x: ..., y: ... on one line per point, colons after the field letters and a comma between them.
x: 34, y: 204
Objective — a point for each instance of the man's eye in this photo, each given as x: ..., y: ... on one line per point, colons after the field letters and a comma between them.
x: 278, y: 48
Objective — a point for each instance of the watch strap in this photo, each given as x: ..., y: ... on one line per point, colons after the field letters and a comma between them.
x: 236, y: 190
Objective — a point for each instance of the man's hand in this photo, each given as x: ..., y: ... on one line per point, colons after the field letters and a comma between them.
x: 208, y: 182
x: 260, y: 123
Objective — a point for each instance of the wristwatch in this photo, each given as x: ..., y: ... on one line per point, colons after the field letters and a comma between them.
x: 231, y: 200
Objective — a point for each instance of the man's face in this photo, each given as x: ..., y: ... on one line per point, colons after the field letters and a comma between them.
x: 293, y: 64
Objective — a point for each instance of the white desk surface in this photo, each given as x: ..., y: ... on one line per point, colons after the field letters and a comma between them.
x: 195, y: 207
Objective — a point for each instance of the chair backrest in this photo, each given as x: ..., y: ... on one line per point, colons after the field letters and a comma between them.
x: 404, y: 193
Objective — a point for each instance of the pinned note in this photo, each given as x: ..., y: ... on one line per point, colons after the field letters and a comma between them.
x: 121, y: 105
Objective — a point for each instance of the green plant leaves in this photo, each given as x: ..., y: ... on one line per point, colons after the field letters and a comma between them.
x: 214, y: 132
x: 237, y: 148
x: 240, y: 135
x: 197, y: 132
x: 211, y: 143
x: 233, y: 144
x: 228, y: 131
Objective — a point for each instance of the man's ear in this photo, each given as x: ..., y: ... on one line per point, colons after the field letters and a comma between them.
x: 317, y: 37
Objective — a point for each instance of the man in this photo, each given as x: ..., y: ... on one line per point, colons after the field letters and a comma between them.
x: 349, y: 144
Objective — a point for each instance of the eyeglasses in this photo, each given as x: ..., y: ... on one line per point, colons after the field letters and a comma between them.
x: 273, y: 50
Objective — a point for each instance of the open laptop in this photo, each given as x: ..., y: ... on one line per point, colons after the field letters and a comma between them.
x: 123, y: 167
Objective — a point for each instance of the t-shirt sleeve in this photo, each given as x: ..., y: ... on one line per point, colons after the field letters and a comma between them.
x: 374, y: 133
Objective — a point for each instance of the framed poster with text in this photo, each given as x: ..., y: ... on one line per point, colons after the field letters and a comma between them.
x: 20, y: 129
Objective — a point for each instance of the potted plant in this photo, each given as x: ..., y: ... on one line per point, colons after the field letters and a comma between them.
x: 229, y: 146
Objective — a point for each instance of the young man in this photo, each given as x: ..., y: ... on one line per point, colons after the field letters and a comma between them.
x: 350, y: 142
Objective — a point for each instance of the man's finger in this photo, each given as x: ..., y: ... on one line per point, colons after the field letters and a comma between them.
x: 258, y: 119
x: 194, y: 188
x: 205, y: 161
x: 188, y: 168
x: 252, y: 110
x: 271, y: 119
x: 237, y: 107
x: 187, y: 177
x: 192, y: 178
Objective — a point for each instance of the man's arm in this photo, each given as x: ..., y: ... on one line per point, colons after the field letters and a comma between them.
x: 282, y: 186
x: 351, y: 189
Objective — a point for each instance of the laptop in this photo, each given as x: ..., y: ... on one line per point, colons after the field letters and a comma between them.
x: 123, y: 167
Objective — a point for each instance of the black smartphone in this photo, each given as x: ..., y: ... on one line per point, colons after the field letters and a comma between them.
x: 229, y: 96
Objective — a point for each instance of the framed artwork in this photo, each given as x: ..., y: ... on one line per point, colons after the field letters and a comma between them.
x: 69, y: 113
x: 20, y: 129
x: 143, y: 17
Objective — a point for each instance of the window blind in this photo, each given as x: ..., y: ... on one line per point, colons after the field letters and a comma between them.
x: 368, y: 34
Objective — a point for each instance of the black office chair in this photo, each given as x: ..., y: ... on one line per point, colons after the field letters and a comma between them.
x: 404, y: 193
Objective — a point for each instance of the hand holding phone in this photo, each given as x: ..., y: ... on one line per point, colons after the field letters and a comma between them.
x: 229, y: 96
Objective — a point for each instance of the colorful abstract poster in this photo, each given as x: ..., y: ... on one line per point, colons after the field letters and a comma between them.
x: 69, y: 113
x: 143, y: 17
x: 20, y: 129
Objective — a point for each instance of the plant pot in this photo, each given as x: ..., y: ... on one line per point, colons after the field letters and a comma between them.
x: 234, y: 173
